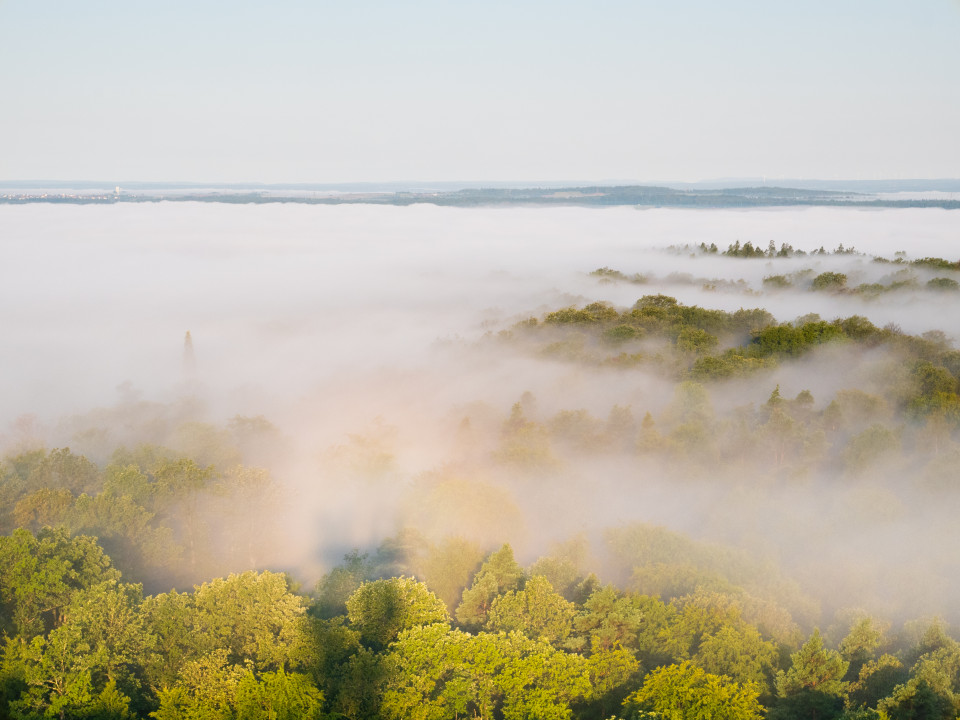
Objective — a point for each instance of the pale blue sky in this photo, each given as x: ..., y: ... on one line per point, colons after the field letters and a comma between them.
x: 319, y: 91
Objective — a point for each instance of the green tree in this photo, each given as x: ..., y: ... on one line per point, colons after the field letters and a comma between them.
x: 58, y: 672
x: 254, y: 616
x: 622, y: 333
x: 918, y: 700
x: 943, y: 284
x: 777, y: 282
x: 382, y: 609
x: 610, y: 619
x: 861, y: 644
x: 340, y: 583
x: 739, y: 652
x: 278, y: 696
x: 438, y: 673
x: 46, y: 506
x: 80, y: 668
x: 169, y: 619
x: 41, y: 575
x: 360, y: 685
x: 206, y: 690
x: 933, y: 691
x: 686, y: 692
x: 813, y: 687
x: 500, y: 573
x: 875, y: 681
x: 430, y: 675
x: 109, y: 620
x: 696, y: 341
x: 613, y: 673
x: 127, y: 532
x: 128, y: 481
x: 62, y: 469
x: 538, y: 611
x: 564, y: 566
x: 829, y: 281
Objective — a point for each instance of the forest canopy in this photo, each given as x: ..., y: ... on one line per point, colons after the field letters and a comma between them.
x: 550, y: 462
x: 440, y: 621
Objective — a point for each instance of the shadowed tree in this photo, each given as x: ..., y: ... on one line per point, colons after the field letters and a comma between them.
x: 382, y: 609
x: 813, y: 687
x: 499, y: 574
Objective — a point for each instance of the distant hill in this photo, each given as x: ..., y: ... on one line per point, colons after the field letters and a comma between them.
x: 691, y: 196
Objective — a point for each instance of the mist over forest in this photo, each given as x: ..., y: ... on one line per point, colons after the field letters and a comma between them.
x: 749, y: 413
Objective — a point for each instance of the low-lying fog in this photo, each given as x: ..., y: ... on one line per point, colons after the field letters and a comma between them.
x: 282, y: 298
x: 357, y: 321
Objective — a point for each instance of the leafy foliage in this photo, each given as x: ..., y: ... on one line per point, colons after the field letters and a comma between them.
x: 686, y: 692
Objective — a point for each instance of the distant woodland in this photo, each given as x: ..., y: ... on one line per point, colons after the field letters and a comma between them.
x: 444, y: 618
x: 592, y: 196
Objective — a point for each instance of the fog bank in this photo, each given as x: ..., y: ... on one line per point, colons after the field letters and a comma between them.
x: 372, y: 332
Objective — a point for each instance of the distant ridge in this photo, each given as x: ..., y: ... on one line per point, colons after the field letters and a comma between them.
x: 827, y: 193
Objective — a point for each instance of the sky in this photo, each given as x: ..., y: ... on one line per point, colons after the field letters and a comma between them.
x: 611, y: 90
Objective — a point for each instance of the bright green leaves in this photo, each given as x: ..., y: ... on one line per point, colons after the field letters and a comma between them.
x: 738, y: 651
x: 278, y: 696
x: 537, y: 611
x: 207, y: 689
x: 58, y: 674
x: 224, y: 651
x: 212, y: 689
x: 933, y: 689
x: 686, y: 692
x: 227, y: 634
x: 108, y: 618
x: 253, y: 617
x: 42, y: 573
x: 90, y: 659
x: 438, y: 673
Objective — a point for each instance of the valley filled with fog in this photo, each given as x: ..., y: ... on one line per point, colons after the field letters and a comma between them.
x: 285, y: 300
x: 375, y: 461
x: 369, y: 338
